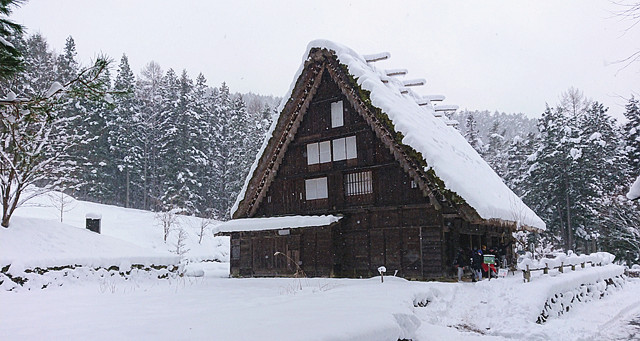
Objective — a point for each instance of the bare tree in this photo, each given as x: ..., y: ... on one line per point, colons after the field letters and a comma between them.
x: 204, y: 224
x: 36, y: 139
x: 181, y: 246
x: 628, y: 10
x: 167, y: 220
x: 63, y: 203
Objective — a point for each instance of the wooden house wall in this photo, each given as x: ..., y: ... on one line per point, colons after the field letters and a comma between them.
x: 253, y: 252
x: 286, y: 194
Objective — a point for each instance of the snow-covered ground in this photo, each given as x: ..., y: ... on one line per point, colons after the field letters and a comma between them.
x: 142, y: 228
x: 305, y: 309
x: 597, y: 303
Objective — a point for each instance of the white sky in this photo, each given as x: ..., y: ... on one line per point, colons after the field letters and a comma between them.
x: 511, y: 56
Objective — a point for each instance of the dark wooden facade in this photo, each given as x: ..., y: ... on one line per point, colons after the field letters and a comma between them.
x: 400, y: 222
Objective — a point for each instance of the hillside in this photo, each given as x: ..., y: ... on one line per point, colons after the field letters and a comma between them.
x: 138, y: 227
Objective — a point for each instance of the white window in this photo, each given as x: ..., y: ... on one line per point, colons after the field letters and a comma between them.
x: 337, y: 114
x: 316, y: 188
x: 339, y: 149
x: 325, y: 151
x: 344, y: 148
x: 358, y: 183
x: 352, y: 150
x: 313, y: 154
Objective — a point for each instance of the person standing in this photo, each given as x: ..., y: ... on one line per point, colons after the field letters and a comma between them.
x: 476, y: 265
x: 461, y: 262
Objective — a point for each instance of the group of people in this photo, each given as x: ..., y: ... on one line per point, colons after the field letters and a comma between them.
x: 475, y: 262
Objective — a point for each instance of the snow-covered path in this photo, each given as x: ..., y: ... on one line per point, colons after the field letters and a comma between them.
x: 324, y: 309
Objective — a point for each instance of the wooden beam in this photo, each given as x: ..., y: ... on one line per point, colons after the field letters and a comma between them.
x: 446, y: 107
x: 376, y: 57
x: 395, y: 72
x: 434, y: 98
x: 414, y: 82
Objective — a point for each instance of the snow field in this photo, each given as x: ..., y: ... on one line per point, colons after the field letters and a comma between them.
x: 94, y: 280
x: 138, y: 227
x: 37, y: 253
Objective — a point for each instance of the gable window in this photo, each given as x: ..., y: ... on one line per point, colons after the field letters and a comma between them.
x: 339, y: 149
x: 352, y: 150
x: 358, y: 183
x: 313, y: 154
x: 316, y: 188
x: 319, y: 152
x: 325, y: 151
x: 344, y: 148
x: 337, y: 114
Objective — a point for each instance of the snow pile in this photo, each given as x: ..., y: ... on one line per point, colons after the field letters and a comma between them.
x: 275, y: 223
x: 36, y: 253
x: 76, y: 275
x: 564, y: 300
x: 634, y: 191
x: 563, y: 259
x: 454, y: 161
x: 142, y: 228
x: 510, y: 307
x: 30, y: 243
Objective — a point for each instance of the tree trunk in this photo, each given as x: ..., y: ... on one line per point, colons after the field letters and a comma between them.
x: 569, y: 228
x: 126, y: 203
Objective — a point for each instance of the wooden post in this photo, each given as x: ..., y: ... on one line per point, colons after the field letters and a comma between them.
x: 582, y: 265
x: 561, y: 267
x: 545, y: 270
x: 527, y: 274
x: 573, y: 267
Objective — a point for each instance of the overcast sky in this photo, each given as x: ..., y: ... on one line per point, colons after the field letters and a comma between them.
x: 511, y: 56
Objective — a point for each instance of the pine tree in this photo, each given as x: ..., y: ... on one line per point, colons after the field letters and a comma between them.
x: 66, y: 64
x: 632, y: 136
x: 11, y: 60
x: 124, y: 137
x: 551, y: 180
x: 494, y: 152
x: 148, y: 91
x: 471, y: 134
x: 519, y: 151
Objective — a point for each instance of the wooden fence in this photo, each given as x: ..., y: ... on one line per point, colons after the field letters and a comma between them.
x: 526, y: 273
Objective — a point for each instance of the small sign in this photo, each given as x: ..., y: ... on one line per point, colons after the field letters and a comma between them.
x: 502, y: 273
x: 284, y: 232
x: 489, y: 259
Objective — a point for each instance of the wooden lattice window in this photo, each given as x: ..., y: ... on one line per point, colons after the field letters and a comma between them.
x: 358, y: 183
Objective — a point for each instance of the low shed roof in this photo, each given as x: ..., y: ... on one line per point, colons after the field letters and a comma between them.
x: 275, y: 223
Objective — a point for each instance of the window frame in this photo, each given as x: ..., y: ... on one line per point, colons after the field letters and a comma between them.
x: 316, y: 188
x: 358, y: 183
x: 337, y: 114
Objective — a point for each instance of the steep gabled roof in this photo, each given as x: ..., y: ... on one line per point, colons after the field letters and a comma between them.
x: 429, y: 149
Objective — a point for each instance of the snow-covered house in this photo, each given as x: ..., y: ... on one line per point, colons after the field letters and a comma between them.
x: 357, y: 171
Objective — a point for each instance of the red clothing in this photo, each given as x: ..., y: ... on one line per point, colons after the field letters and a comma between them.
x: 486, y: 267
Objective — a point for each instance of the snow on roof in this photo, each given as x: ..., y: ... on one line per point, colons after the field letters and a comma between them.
x: 275, y: 223
x: 454, y: 161
x: 634, y: 191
